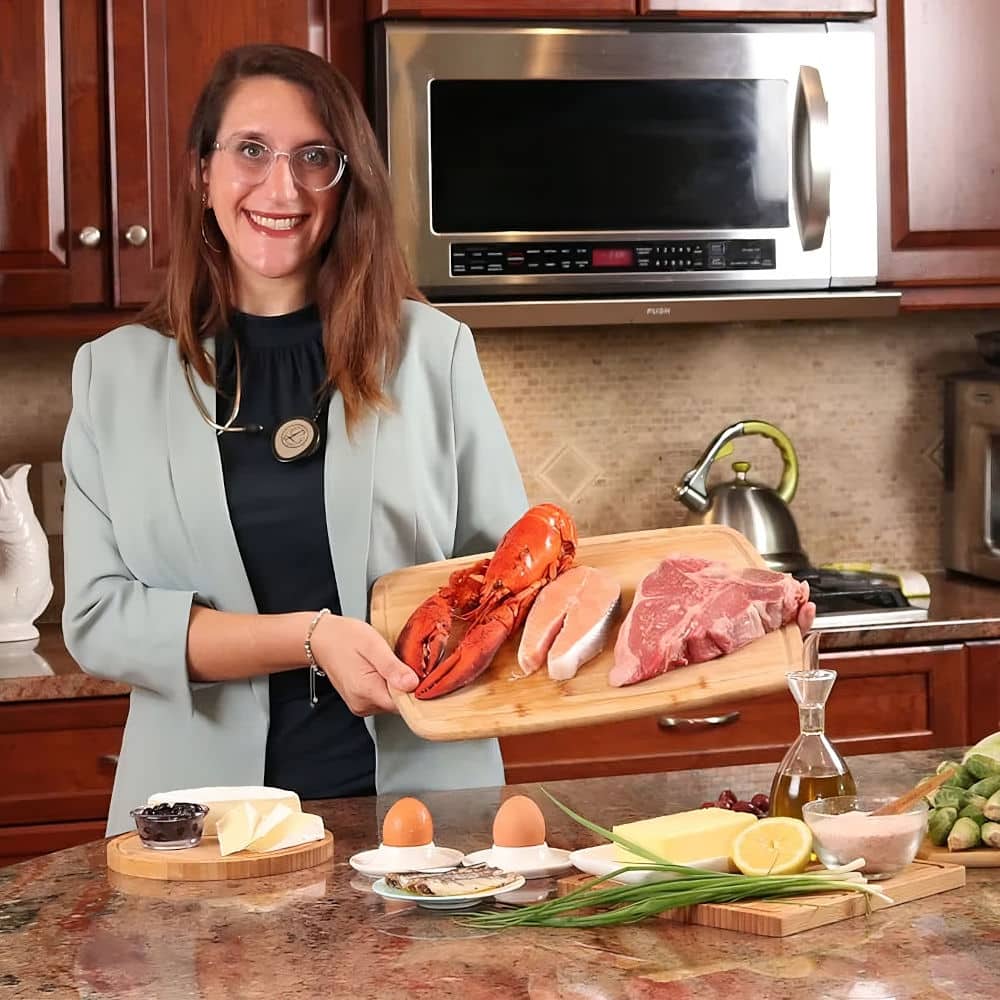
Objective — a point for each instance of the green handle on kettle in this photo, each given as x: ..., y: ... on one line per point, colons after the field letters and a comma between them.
x: 790, y: 473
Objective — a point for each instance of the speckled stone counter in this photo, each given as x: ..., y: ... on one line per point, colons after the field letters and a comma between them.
x: 962, y: 609
x: 44, y: 671
x: 67, y: 930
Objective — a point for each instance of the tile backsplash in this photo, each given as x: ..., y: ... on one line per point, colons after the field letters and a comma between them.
x: 606, y: 420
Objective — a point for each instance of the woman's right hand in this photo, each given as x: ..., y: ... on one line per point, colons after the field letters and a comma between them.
x: 360, y: 664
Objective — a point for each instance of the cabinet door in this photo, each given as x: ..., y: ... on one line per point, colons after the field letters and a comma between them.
x: 984, y: 689
x: 761, y: 8
x: 883, y: 700
x: 500, y: 8
x: 54, y: 156
x: 161, y: 55
x: 939, y: 145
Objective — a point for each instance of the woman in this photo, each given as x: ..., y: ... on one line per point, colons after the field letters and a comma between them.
x: 284, y: 424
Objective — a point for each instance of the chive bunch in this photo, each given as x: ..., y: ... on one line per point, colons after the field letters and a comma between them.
x: 595, y: 906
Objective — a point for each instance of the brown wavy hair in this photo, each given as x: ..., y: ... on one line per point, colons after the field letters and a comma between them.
x: 362, y: 278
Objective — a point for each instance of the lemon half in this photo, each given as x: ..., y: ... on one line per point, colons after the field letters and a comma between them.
x: 776, y: 846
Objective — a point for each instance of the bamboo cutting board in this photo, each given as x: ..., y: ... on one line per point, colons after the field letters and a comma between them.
x: 127, y: 856
x: 503, y: 702
x: 803, y: 913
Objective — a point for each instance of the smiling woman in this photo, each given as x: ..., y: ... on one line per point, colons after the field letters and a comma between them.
x: 287, y: 421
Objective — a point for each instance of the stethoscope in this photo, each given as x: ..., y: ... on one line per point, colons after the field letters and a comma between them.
x: 295, y: 438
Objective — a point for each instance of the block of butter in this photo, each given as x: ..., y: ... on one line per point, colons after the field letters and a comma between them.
x: 220, y: 800
x: 684, y: 837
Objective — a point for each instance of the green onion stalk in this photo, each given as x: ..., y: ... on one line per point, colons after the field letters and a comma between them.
x: 626, y: 904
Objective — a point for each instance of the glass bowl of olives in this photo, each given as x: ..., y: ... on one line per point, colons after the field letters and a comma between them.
x: 170, y: 826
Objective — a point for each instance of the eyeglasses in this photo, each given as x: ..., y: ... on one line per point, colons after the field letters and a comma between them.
x: 316, y: 168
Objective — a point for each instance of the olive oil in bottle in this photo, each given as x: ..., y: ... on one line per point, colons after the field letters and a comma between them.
x: 812, y: 768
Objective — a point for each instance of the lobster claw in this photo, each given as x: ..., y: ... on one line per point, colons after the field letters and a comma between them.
x: 478, y: 646
x: 425, y: 635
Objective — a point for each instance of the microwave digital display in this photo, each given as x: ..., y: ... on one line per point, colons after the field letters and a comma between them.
x: 608, y: 155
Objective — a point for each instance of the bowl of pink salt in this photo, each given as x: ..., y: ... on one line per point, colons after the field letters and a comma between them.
x: 844, y: 830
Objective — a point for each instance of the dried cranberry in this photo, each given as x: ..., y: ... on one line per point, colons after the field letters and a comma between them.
x: 728, y: 796
x: 744, y: 807
x: 707, y: 805
x: 761, y: 802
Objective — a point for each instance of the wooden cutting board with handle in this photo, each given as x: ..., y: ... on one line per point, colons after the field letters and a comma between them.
x: 978, y: 857
x: 503, y: 702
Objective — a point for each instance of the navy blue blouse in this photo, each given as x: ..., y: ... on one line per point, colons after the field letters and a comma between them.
x: 278, y: 514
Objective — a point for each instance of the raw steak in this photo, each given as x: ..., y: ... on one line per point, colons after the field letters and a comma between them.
x: 689, y: 610
x: 570, y: 622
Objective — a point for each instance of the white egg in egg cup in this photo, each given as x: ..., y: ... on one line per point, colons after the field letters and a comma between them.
x: 385, y: 859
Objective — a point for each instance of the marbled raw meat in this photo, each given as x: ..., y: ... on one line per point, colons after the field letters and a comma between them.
x: 689, y: 610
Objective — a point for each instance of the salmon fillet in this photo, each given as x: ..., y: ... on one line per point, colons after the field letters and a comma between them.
x: 570, y: 622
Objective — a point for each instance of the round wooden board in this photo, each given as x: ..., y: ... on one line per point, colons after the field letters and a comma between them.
x: 127, y: 855
x: 979, y: 857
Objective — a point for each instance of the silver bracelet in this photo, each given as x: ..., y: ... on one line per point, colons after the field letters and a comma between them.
x: 314, y: 670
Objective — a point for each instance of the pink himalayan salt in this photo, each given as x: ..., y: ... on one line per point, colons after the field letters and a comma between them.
x: 887, y: 843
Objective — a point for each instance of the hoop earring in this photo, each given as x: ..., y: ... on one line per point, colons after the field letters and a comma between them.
x: 204, y: 235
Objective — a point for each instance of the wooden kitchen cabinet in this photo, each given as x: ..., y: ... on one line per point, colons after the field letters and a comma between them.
x: 58, y: 760
x: 500, y: 8
x: 939, y: 150
x: 984, y: 689
x: 883, y: 700
x: 99, y: 97
x: 813, y: 9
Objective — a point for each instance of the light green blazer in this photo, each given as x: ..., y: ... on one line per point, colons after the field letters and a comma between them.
x: 147, y: 532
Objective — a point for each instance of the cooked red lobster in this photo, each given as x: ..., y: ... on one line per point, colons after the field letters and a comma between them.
x: 494, y: 595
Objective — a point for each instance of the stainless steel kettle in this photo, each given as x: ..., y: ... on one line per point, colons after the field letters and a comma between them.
x: 756, y: 511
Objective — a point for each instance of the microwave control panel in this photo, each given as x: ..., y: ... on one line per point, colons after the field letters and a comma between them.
x: 604, y: 258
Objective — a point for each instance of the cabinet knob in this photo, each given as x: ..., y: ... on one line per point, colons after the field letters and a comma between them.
x: 137, y: 235
x: 678, y: 722
x: 108, y: 758
x: 90, y: 236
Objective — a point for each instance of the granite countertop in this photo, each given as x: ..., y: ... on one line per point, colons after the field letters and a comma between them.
x: 962, y: 609
x: 69, y: 929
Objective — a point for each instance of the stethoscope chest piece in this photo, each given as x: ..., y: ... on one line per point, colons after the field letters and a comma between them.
x: 295, y: 438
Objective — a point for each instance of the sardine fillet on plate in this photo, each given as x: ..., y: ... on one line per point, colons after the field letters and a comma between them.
x: 690, y: 610
x: 570, y: 622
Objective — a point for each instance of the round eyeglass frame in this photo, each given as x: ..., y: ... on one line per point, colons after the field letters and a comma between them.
x: 275, y: 153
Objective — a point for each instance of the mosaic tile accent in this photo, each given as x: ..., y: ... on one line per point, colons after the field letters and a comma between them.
x: 606, y: 420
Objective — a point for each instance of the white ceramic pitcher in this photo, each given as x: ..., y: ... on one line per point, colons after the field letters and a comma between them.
x: 25, y: 577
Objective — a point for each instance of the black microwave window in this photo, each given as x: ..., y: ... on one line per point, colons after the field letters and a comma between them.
x: 608, y: 155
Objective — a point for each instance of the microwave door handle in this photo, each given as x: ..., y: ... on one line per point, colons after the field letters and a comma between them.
x: 811, y: 139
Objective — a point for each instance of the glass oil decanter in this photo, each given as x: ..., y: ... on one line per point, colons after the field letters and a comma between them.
x: 812, y: 768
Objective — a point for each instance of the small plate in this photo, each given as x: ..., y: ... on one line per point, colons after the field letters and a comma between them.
x: 375, y: 862
x: 547, y: 861
x: 443, y: 902
x: 601, y: 860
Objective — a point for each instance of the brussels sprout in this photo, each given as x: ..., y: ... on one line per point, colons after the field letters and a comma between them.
x: 964, y: 835
x: 962, y: 778
x: 940, y: 823
x: 992, y: 808
x: 990, y: 832
x: 973, y: 813
x: 986, y: 786
x: 982, y: 766
x: 949, y: 795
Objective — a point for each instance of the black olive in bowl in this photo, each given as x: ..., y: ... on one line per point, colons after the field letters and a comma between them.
x: 170, y: 826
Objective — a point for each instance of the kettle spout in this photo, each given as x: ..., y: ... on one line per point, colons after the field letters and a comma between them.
x: 688, y: 493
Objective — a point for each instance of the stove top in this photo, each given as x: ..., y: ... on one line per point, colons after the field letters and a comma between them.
x: 856, y: 599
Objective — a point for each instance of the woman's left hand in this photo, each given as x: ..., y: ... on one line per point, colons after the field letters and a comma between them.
x: 807, y: 615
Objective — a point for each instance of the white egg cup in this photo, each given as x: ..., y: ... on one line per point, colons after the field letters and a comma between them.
x: 385, y: 859
x: 536, y: 861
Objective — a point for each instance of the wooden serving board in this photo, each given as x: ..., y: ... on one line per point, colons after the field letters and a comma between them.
x: 127, y: 855
x: 504, y: 702
x: 981, y: 857
x: 803, y: 913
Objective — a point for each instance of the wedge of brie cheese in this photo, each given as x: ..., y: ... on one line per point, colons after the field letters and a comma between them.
x: 282, y: 828
x: 237, y: 827
x: 220, y: 800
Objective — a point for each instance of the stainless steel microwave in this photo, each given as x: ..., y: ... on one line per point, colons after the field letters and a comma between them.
x: 630, y: 159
